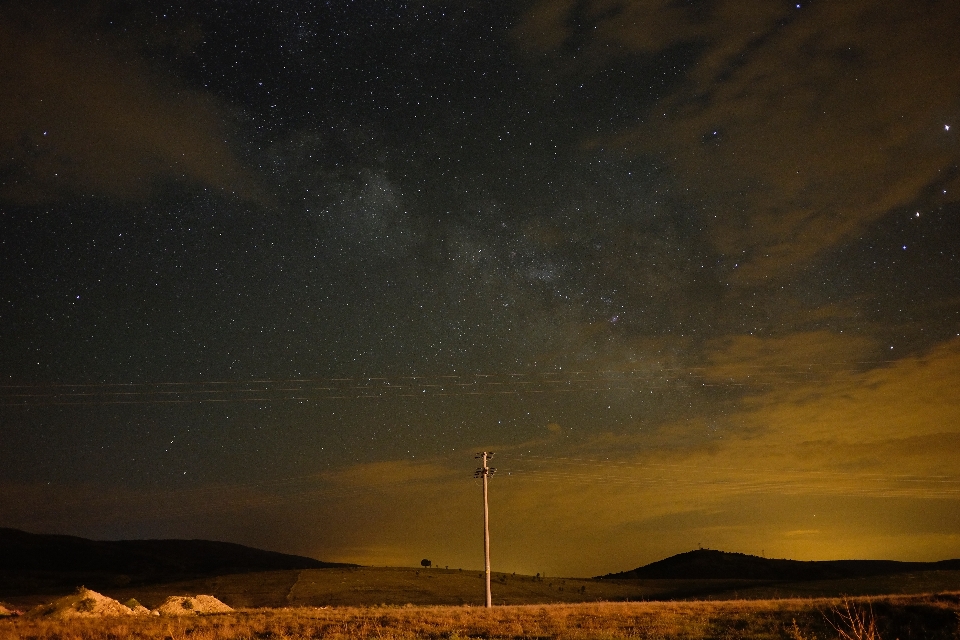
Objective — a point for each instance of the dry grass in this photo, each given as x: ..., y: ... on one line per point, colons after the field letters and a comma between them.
x: 930, y: 617
x: 854, y: 622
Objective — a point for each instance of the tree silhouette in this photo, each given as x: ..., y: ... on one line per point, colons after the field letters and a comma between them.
x: 425, y: 563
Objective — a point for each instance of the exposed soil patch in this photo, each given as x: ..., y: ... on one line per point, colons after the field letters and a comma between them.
x: 85, y: 603
x: 191, y: 606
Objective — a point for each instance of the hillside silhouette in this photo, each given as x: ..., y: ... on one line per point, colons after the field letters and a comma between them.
x: 49, y: 562
x: 709, y: 564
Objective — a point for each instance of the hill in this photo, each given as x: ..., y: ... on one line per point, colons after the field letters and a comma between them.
x: 373, y: 586
x: 49, y: 562
x: 345, y: 585
x: 709, y: 564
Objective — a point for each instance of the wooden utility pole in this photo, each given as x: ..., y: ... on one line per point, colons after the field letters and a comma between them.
x: 485, y: 472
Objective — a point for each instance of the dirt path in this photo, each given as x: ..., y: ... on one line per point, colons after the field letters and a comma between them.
x: 294, y: 586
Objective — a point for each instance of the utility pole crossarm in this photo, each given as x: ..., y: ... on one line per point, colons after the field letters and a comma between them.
x: 485, y: 472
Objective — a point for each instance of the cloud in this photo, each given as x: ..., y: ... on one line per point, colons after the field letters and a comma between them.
x: 785, y: 360
x: 860, y: 402
x: 822, y: 452
x: 827, y: 455
x: 796, y: 128
x: 861, y: 461
x: 80, y: 117
x: 858, y: 460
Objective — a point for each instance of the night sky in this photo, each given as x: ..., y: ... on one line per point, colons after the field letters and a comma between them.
x: 273, y: 272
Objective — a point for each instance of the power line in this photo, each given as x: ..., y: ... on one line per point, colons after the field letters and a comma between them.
x: 388, y: 387
x: 604, y: 374
x: 785, y: 481
x: 568, y: 460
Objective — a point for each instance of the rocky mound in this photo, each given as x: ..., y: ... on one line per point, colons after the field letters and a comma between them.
x: 85, y: 603
x: 191, y: 606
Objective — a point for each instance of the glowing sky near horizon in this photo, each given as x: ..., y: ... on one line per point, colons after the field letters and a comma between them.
x: 272, y: 274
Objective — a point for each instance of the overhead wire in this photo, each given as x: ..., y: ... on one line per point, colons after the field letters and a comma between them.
x: 266, y: 390
x: 718, y: 478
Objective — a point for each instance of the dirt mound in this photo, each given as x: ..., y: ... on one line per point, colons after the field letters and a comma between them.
x: 5, y: 612
x: 84, y: 604
x: 191, y: 606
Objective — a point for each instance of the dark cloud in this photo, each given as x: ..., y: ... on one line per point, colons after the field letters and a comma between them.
x: 84, y: 114
x: 798, y: 126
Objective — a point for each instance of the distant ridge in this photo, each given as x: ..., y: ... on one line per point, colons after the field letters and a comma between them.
x: 709, y: 564
x: 22, y: 552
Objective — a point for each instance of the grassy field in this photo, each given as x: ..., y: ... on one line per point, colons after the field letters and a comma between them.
x: 368, y: 586
x: 903, y: 617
